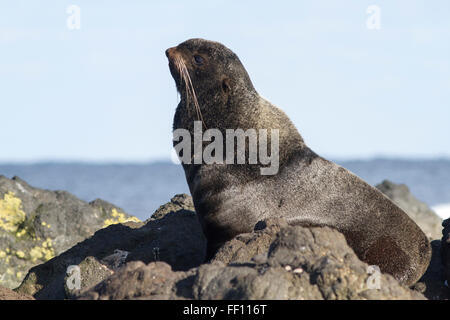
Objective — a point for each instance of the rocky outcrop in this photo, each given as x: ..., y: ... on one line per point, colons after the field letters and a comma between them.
x: 163, y: 258
x: 281, y: 262
x: 37, y: 225
x: 426, y: 219
x: 445, y: 251
x: 8, y: 294
x: 432, y: 284
x: 173, y: 235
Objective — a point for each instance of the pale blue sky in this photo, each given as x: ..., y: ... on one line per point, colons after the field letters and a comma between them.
x: 104, y: 92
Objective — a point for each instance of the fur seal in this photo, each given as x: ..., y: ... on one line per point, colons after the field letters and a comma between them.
x: 308, y: 190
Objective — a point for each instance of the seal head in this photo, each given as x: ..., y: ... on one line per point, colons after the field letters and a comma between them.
x: 210, y: 66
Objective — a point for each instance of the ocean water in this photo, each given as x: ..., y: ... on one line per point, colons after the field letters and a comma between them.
x: 141, y: 188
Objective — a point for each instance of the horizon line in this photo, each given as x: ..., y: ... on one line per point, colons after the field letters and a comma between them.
x: 168, y: 160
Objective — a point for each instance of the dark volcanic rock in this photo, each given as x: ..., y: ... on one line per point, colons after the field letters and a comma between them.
x: 173, y: 235
x: 432, y: 282
x: 281, y: 262
x: 155, y: 280
x: 162, y: 258
x: 36, y: 225
x: 177, y: 237
x: 426, y: 219
x: 84, y: 275
x: 434, y: 278
x: 445, y: 250
x: 251, y: 246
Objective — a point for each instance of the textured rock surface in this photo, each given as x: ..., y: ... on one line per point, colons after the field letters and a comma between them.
x: 434, y: 278
x: 445, y: 250
x: 8, y: 294
x: 427, y: 219
x: 281, y: 262
x: 36, y: 225
x: 84, y: 275
x: 173, y: 235
x: 432, y: 283
x: 162, y: 258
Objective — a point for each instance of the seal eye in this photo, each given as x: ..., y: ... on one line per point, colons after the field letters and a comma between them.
x: 198, y: 60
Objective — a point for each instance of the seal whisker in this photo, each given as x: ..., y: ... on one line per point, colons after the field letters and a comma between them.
x: 179, y: 66
x: 190, y: 91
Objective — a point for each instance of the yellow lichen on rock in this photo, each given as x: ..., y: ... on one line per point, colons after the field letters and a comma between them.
x: 43, y: 252
x: 44, y: 224
x: 48, y: 249
x: 20, y: 254
x: 11, y: 213
x: 36, y: 254
x: 118, y: 217
x: 21, y: 232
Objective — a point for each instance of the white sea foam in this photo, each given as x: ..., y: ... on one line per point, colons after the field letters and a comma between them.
x: 442, y: 210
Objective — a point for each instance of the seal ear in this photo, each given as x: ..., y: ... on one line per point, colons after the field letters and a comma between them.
x: 226, y: 86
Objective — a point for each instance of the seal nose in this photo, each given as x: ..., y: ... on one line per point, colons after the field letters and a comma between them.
x: 169, y: 52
